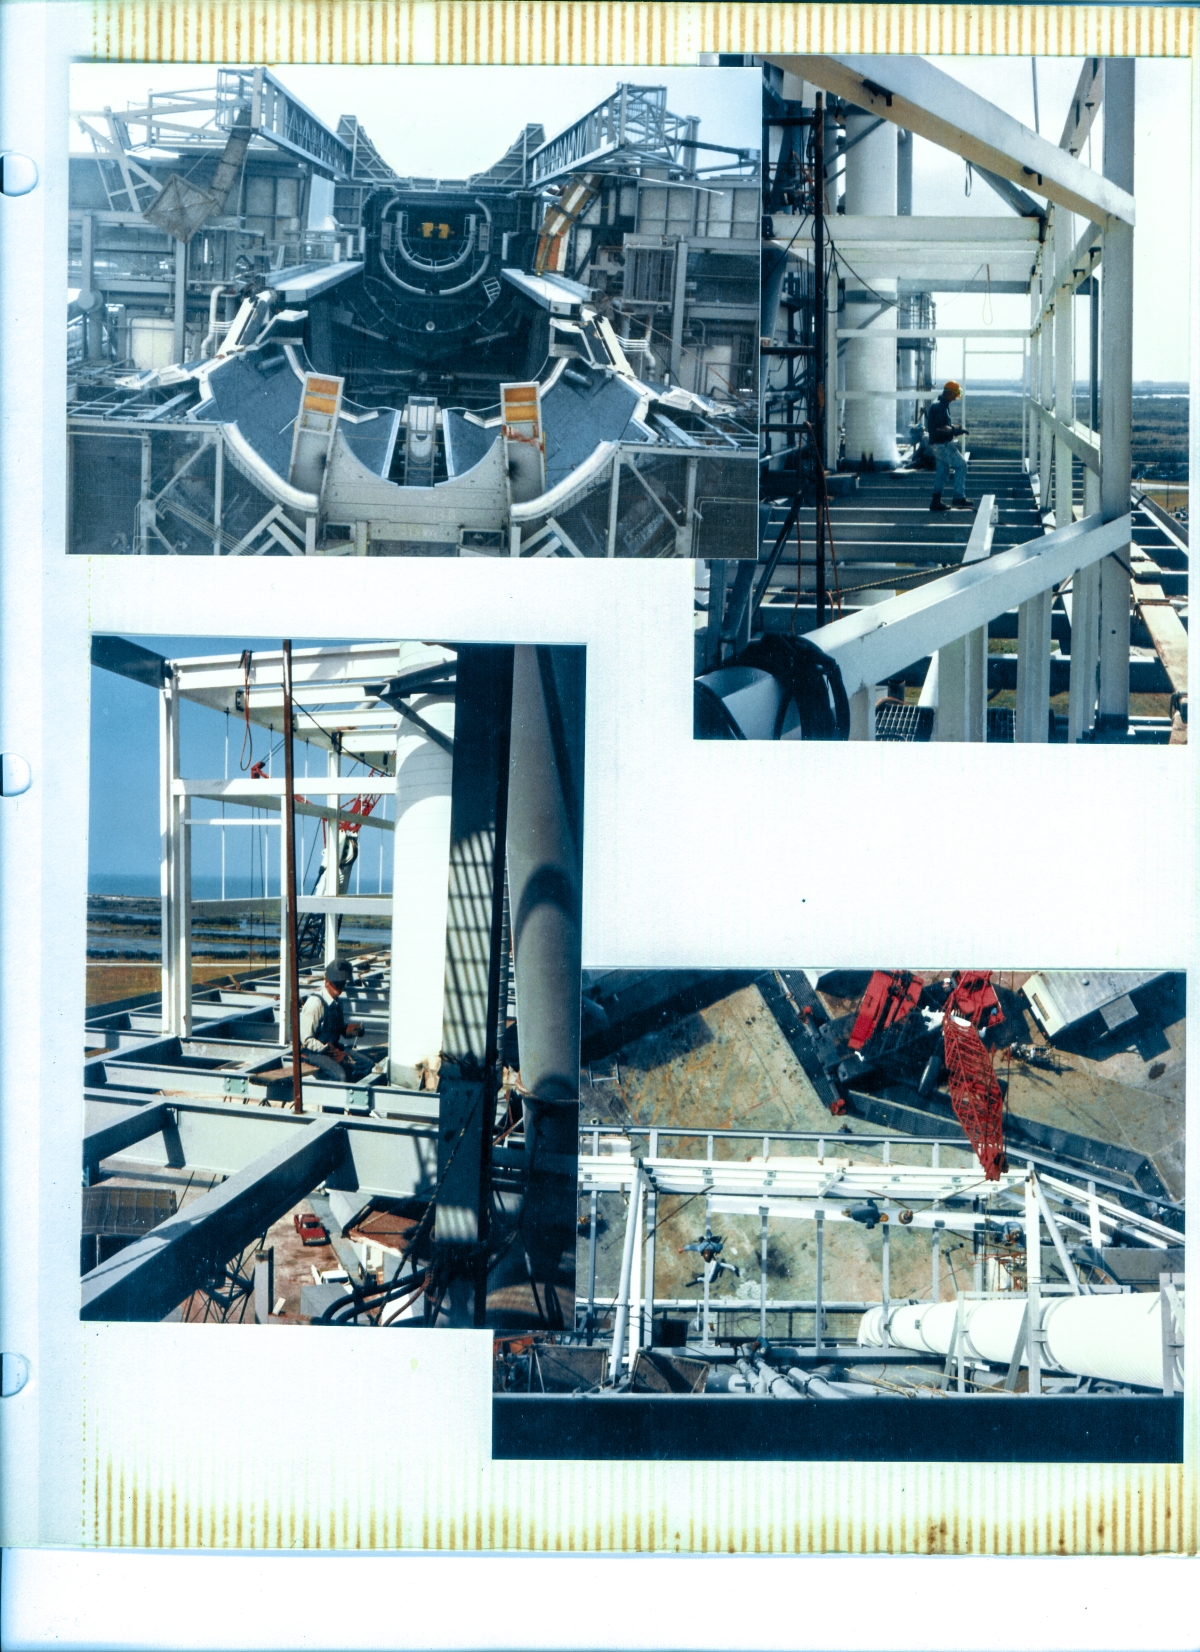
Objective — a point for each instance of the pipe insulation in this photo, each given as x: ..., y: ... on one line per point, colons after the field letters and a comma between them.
x: 1116, y: 1338
x: 870, y: 362
x: 420, y: 868
x: 545, y: 884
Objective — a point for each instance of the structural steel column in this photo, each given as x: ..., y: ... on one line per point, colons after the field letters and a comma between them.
x: 648, y: 1251
x: 331, y: 882
x: 470, y: 1017
x: 180, y: 334
x: 1032, y: 436
x: 678, y: 306
x: 168, y: 852
x: 862, y: 713
x: 545, y: 877
x: 1064, y: 363
x: 218, y: 489
x: 1085, y: 650
x: 1033, y: 668
x: 1046, y: 364
x: 1033, y: 1285
x: 1116, y: 392
x: 962, y: 688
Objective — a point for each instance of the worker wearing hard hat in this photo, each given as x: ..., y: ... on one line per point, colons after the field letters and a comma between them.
x: 323, y: 1023
x: 951, y: 466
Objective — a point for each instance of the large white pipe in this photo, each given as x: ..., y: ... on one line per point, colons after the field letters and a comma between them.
x: 1117, y: 1338
x: 420, y: 872
x: 871, y: 362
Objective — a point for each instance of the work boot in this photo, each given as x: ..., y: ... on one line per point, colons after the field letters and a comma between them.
x: 964, y: 504
x: 935, y: 504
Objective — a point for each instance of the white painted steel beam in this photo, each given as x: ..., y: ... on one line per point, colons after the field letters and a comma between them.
x: 1076, y: 437
x: 1086, y: 99
x: 873, y: 644
x: 316, y: 811
x: 1074, y: 272
x: 938, y: 332
x: 1083, y: 605
x: 962, y: 664
x: 913, y: 94
x: 153, y: 1275
x: 1034, y: 638
x: 255, y: 791
x: 1116, y: 377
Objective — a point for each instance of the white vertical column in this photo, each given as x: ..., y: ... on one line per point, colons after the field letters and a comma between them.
x: 1085, y: 651
x: 962, y: 664
x: 330, y: 883
x: 636, y: 1281
x: 168, y: 771
x: 1032, y: 718
x: 218, y: 489
x: 179, y: 339
x: 862, y: 713
x: 1033, y: 360
x: 1046, y: 361
x: 962, y: 688
x: 183, y: 964
x: 1116, y: 391
x: 678, y: 307
x: 1033, y: 1284
x: 1064, y: 362
x: 420, y: 882
x: 871, y: 362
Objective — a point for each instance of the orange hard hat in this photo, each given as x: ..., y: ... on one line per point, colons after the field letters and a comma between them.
x: 953, y: 387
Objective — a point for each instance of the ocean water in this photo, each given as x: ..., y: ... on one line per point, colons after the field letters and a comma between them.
x: 205, y: 887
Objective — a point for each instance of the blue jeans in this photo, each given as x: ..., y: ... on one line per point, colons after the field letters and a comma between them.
x: 951, y: 466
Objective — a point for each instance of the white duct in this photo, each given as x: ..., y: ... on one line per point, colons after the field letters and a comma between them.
x: 1117, y: 1338
x: 870, y: 363
x: 420, y: 874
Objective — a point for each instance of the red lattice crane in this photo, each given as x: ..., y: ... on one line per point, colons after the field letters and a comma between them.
x: 974, y: 1088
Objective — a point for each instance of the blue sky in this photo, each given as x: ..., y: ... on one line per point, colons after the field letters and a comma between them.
x: 123, y: 848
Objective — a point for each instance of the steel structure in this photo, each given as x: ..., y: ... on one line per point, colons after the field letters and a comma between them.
x: 1114, y: 1338
x: 475, y: 754
x: 1065, y: 558
x: 631, y: 129
x: 625, y: 294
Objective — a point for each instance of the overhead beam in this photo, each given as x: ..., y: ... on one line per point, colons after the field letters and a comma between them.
x: 1085, y: 101
x: 912, y: 94
x: 875, y: 643
x: 149, y: 1278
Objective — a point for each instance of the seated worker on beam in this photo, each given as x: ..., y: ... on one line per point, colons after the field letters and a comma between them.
x: 323, y: 1023
x: 950, y: 463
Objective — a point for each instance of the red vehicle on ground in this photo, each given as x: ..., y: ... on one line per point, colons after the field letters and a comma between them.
x: 310, y: 1230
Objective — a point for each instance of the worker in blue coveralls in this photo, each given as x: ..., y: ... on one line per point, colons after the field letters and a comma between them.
x: 323, y: 1023
x: 951, y: 466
